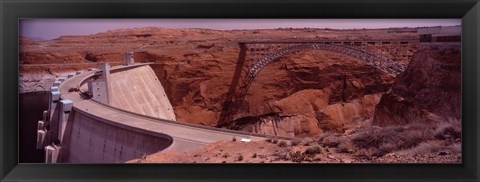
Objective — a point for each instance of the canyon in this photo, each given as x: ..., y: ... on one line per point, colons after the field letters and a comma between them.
x: 315, y: 95
x: 196, y: 67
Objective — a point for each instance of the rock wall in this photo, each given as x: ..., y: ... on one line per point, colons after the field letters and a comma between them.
x: 428, y: 91
x: 41, y: 78
x: 310, y: 116
x: 33, y: 78
x: 311, y: 92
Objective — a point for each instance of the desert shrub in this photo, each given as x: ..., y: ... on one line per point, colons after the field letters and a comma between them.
x: 282, y: 143
x: 262, y: 156
x: 254, y: 155
x: 385, y: 140
x: 298, y: 156
x: 312, y: 150
x: 307, y: 142
x: 456, y: 148
x: 269, y: 139
x: 331, y: 141
x: 384, y: 149
x: 345, y: 147
x: 283, y: 155
x: 448, y: 131
x: 422, y: 148
x: 295, y: 142
x: 364, y: 154
x: 234, y: 139
x: 323, y: 136
x: 240, y: 157
x: 413, y: 138
x: 274, y: 140
x: 371, y: 137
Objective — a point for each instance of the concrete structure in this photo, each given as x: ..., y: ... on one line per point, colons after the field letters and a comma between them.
x: 84, y: 130
x: 98, y: 87
x: 440, y: 34
x: 64, y: 113
x: 440, y: 37
x: 54, y: 98
x: 128, y: 59
x: 56, y: 83
x: 138, y: 90
x: 51, y: 154
x: 41, y: 134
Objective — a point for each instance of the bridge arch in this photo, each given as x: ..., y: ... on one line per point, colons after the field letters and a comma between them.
x: 243, y: 78
x: 383, y: 63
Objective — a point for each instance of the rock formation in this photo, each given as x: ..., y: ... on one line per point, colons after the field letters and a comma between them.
x: 428, y: 91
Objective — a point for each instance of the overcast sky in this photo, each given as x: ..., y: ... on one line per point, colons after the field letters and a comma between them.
x: 53, y: 28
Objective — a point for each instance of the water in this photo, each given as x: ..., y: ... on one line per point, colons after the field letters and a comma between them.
x: 31, y: 107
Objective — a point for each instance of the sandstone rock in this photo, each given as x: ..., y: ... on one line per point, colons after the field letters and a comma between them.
x: 427, y: 92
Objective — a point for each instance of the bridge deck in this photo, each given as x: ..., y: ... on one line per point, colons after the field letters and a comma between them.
x: 185, y: 136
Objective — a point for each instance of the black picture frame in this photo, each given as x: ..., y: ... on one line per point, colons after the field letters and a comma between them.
x: 467, y: 10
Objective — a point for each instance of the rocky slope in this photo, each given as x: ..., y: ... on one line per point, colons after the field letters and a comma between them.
x: 306, y: 151
x: 429, y: 91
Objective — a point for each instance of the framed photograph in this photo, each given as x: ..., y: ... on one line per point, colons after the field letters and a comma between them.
x: 240, y: 91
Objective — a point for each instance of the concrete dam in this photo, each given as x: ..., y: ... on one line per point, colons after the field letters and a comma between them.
x: 112, y: 115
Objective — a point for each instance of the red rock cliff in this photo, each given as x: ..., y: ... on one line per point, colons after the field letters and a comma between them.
x: 428, y: 91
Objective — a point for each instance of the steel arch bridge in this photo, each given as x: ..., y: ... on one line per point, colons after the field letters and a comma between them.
x: 385, y: 55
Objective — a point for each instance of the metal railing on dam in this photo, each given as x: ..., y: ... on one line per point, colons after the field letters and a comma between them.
x: 93, y: 132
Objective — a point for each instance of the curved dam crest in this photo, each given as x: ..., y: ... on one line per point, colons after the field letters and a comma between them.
x: 139, y: 121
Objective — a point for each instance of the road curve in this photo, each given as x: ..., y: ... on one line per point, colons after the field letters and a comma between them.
x: 185, y: 136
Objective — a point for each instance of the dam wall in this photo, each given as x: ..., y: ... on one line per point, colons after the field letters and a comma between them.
x: 90, y: 139
x: 80, y: 129
x: 138, y: 90
x: 71, y: 134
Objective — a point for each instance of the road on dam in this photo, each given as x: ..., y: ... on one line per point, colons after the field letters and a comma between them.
x: 185, y: 136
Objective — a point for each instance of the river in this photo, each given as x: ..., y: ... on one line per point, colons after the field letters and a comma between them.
x: 31, y: 107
